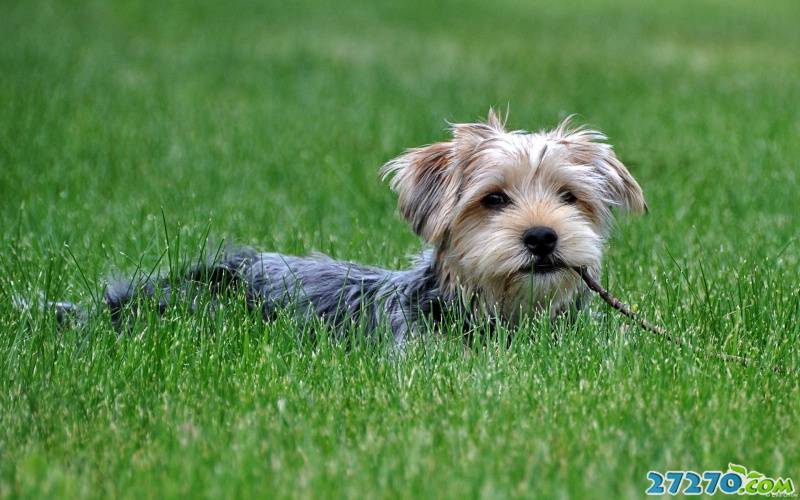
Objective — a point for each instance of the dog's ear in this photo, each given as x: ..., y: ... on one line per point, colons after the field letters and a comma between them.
x: 427, y: 179
x: 588, y: 147
x: 426, y: 184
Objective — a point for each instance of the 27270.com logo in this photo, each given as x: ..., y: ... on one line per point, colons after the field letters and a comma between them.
x: 737, y: 480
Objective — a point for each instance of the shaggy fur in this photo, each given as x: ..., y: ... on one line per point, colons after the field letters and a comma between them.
x: 473, y: 200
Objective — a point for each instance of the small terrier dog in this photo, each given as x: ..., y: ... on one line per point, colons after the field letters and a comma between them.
x: 508, y: 216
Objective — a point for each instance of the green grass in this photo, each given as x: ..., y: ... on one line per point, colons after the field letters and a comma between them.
x: 266, y: 124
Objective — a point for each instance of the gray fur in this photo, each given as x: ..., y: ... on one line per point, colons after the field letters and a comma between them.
x: 339, y: 293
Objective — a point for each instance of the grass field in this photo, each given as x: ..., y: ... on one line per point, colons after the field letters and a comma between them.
x: 265, y: 124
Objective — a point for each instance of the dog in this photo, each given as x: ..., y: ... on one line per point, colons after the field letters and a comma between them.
x: 507, y: 216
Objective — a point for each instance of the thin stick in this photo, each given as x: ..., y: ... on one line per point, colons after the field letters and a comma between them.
x: 646, y: 325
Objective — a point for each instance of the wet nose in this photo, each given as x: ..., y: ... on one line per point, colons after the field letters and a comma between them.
x: 540, y: 240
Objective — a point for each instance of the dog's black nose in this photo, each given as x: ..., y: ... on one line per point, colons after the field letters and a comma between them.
x: 540, y: 240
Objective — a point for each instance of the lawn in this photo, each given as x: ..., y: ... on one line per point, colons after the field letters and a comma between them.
x: 128, y: 129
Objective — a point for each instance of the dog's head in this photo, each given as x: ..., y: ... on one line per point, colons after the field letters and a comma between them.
x: 510, y: 212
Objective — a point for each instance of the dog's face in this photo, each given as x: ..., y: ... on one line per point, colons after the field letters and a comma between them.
x: 510, y: 213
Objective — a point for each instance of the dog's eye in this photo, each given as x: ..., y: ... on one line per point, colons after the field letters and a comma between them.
x: 568, y: 198
x: 496, y: 200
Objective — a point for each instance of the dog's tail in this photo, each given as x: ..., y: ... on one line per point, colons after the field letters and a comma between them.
x: 66, y: 313
x: 214, y: 274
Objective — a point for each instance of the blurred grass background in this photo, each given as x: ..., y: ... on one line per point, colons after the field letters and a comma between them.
x: 265, y: 124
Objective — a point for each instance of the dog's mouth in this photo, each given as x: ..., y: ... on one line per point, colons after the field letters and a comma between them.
x: 543, y: 266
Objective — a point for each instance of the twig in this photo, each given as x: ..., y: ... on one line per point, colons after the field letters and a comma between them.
x: 657, y: 329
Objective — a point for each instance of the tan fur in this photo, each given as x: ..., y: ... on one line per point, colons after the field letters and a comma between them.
x: 480, y: 253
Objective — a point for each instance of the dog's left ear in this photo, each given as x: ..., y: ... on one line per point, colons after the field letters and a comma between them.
x: 589, y: 147
x: 627, y: 191
x: 426, y: 184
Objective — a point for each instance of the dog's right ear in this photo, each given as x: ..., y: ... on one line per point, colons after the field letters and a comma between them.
x: 426, y: 184
x: 427, y: 179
